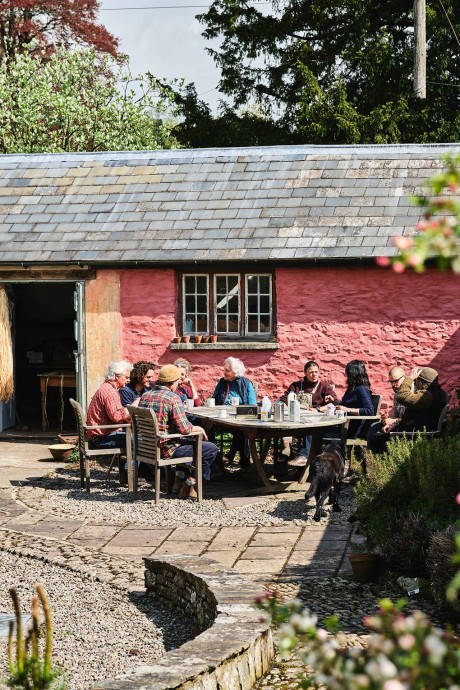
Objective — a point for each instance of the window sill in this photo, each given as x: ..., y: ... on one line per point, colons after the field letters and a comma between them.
x: 228, y: 345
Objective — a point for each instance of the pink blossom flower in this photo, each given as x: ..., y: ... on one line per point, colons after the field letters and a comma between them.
x: 403, y: 243
x: 414, y: 259
x: 382, y: 261
x: 398, y: 267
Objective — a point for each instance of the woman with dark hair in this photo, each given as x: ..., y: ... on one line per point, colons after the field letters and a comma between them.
x: 357, y: 398
x: 140, y: 381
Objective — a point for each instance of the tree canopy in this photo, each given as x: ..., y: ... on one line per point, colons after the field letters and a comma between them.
x: 40, y: 26
x: 79, y: 101
x: 338, y: 71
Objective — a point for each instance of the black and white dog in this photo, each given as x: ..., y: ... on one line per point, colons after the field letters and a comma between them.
x: 326, y: 474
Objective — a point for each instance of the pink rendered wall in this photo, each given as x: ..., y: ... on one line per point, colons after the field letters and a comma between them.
x: 329, y: 314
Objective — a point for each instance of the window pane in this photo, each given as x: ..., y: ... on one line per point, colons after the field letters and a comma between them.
x: 253, y: 304
x: 189, y: 324
x: 264, y: 285
x: 189, y: 284
x: 189, y: 304
x: 264, y: 305
x: 221, y: 324
x: 265, y: 323
x: 202, y: 285
x: 232, y: 283
x: 233, y: 323
x: 252, y: 284
x: 221, y: 285
x: 202, y: 323
x: 202, y: 303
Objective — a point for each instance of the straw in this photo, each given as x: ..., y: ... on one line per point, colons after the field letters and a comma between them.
x: 6, y: 348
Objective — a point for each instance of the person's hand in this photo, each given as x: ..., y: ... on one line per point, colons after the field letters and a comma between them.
x: 328, y: 399
x: 342, y: 407
x: 136, y: 402
x: 390, y: 422
x: 387, y: 428
x: 415, y: 371
x: 200, y: 428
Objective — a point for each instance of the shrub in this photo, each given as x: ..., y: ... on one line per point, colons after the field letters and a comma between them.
x: 441, y: 566
x: 421, y: 475
x: 404, y: 545
x: 404, y: 653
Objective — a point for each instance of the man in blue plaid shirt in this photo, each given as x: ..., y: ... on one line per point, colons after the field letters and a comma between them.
x: 172, y: 419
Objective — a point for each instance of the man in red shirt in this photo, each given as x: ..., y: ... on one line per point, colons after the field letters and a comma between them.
x: 106, y: 408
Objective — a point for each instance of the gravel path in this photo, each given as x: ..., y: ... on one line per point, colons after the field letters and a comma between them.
x: 99, y: 631
x: 109, y: 503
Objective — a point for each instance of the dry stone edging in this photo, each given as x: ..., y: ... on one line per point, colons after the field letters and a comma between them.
x: 235, y: 647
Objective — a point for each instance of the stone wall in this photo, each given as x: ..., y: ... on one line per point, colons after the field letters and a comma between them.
x: 234, y: 648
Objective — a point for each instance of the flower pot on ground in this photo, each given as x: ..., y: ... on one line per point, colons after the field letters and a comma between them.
x: 365, y: 566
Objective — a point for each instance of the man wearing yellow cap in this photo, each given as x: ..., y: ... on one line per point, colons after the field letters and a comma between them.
x: 172, y: 419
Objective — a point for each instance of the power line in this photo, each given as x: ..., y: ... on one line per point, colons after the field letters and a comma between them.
x: 162, y: 7
x: 448, y: 19
x: 441, y: 83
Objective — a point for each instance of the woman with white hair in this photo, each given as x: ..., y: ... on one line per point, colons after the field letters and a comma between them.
x: 234, y: 385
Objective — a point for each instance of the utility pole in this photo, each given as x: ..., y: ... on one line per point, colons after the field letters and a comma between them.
x: 420, y: 48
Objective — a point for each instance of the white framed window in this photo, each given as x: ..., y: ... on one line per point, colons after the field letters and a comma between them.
x: 231, y: 305
x: 195, y: 311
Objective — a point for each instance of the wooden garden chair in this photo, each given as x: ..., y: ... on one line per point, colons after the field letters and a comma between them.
x: 85, y: 453
x: 147, y: 448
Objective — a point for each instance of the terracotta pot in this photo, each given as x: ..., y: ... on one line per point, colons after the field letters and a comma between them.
x: 198, y: 338
x: 185, y: 338
x: 61, y: 451
x: 213, y: 338
x: 177, y: 339
x: 206, y: 338
x: 365, y: 566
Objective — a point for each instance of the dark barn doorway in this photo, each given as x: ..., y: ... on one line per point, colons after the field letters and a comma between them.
x: 44, y: 344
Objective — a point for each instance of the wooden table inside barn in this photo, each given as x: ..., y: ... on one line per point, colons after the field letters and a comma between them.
x: 312, y: 424
x: 55, y: 379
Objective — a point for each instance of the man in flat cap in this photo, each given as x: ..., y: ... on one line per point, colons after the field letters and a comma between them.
x: 422, y: 399
x: 172, y: 419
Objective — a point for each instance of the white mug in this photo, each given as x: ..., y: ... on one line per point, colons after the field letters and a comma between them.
x: 222, y: 414
x: 190, y: 403
x: 234, y: 401
x: 211, y: 402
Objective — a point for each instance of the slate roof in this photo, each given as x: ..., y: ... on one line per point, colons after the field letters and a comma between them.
x: 288, y: 203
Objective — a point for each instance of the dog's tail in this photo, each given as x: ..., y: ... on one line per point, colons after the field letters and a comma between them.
x: 312, y: 488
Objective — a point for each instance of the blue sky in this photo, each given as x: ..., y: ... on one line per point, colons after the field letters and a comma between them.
x: 167, y: 42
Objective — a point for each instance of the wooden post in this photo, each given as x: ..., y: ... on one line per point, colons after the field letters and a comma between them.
x: 420, y: 48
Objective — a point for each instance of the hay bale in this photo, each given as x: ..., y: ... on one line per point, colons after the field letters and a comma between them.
x: 6, y: 348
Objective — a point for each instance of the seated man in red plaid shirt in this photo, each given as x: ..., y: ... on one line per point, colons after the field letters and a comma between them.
x: 172, y: 419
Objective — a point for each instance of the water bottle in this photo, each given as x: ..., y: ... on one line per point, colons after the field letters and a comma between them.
x: 294, y: 408
x: 265, y: 409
